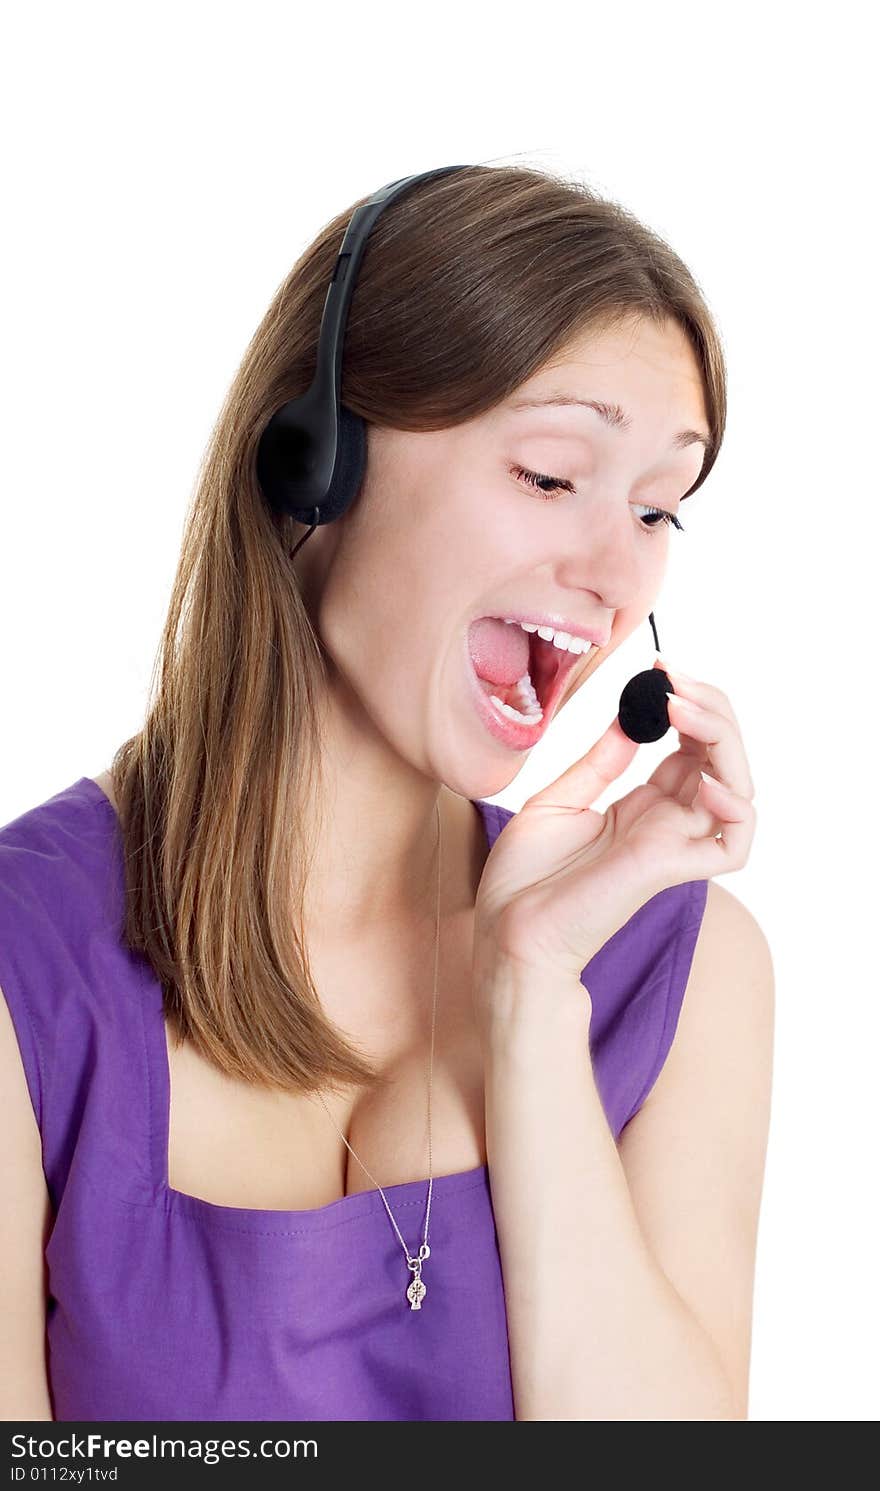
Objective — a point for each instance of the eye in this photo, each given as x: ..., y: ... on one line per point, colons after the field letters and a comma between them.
x: 661, y: 517
x: 548, y: 487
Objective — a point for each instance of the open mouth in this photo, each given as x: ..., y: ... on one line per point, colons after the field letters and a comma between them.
x: 522, y: 672
x: 549, y: 668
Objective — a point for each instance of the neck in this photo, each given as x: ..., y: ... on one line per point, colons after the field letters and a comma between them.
x: 374, y: 869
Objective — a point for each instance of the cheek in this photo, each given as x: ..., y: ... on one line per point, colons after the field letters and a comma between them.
x: 379, y: 647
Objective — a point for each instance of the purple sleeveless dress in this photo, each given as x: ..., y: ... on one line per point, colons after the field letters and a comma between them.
x: 163, y: 1306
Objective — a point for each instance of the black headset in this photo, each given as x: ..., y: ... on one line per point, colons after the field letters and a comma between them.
x: 312, y: 453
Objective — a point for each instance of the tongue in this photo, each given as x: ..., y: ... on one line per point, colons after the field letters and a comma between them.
x: 500, y: 653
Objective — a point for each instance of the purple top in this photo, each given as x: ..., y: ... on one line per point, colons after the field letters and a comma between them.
x: 164, y: 1306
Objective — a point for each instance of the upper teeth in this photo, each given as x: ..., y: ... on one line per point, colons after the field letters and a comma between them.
x: 564, y: 640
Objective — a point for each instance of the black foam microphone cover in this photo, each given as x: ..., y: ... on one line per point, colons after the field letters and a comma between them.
x: 642, y: 713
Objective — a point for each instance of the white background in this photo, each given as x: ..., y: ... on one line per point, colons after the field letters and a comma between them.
x: 164, y: 167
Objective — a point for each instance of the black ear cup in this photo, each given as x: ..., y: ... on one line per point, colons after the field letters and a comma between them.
x: 348, y: 469
x: 288, y: 451
x: 642, y: 712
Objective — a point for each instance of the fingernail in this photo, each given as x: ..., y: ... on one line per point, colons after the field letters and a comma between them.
x: 675, y: 672
x: 684, y: 703
x: 713, y: 781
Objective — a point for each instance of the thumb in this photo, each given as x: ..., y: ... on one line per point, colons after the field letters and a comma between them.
x: 586, y: 779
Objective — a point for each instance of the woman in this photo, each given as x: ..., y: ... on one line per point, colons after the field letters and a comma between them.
x: 229, y: 960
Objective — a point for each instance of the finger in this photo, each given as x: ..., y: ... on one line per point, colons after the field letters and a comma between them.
x: 678, y: 775
x: 736, y: 819
x: 586, y: 779
x: 692, y: 754
x: 720, y: 737
x: 693, y: 688
x: 687, y: 815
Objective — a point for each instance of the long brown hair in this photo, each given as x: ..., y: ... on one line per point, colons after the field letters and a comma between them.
x: 468, y: 285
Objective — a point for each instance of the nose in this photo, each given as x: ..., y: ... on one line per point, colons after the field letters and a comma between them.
x: 605, y: 556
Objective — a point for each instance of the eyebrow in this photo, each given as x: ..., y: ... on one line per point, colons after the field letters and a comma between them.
x: 612, y: 415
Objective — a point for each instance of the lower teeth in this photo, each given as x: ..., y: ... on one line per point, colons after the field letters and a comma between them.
x: 533, y: 712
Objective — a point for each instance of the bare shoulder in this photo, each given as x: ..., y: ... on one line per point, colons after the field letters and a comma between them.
x: 724, y: 1039
x: 105, y: 781
x: 694, y: 1154
x: 25, y: 1225
x: 728, y: 926
x: 721, y: 1056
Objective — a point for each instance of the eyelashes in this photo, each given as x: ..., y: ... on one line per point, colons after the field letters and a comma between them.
x: 548, y: 487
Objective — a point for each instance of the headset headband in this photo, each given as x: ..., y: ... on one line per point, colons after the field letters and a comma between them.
x: 310, y: 456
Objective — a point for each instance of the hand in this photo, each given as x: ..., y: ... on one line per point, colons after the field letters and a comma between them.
x: 561, y: 879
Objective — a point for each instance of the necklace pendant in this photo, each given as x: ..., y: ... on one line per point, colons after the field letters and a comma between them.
x: 416, y: 1293
x: 417, y: 1290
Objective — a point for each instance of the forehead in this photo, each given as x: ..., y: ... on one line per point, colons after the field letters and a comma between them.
x: 641, y: 363
x: 642, y: 383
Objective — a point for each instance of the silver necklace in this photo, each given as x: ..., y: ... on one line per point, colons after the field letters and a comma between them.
x: 416, y: 1291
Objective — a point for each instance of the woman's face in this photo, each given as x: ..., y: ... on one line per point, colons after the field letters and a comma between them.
x: 449, y: 528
